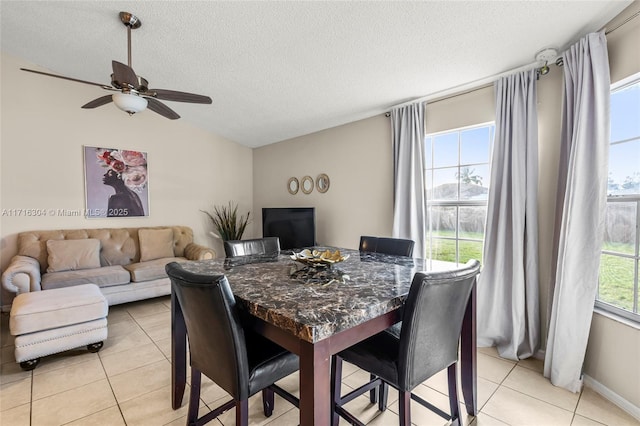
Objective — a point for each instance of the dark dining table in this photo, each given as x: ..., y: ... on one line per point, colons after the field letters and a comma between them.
x: 317, y: 312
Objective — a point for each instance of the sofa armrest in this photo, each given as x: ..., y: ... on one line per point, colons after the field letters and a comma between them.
x: 197, y: 252
x: 22, y: 275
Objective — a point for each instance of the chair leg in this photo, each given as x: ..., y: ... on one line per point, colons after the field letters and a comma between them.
x: 242, y: 413
x: 373, y: 393
x: 453, y: 395
x: 194, y: 397
x: 336, y: 381
x: 268, y: 401
x: 404, y: 400
x: 383, y: 391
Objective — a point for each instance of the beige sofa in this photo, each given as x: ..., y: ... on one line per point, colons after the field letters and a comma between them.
x: 126, y: 263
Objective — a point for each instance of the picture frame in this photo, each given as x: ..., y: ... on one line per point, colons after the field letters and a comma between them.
x: 116, y: 182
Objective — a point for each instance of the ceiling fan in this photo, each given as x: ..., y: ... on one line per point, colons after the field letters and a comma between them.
x: 134, y: 94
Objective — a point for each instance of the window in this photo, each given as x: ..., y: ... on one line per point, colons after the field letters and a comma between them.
x: 457, y: 186
x: 618, y: 284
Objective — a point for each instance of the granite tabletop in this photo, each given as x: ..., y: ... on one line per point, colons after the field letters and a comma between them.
x: 315, y: 303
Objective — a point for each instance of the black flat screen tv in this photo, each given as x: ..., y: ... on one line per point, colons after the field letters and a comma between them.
x: 294, y: 226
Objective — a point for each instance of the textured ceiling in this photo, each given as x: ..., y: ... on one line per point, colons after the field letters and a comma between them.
x: 277, y: 70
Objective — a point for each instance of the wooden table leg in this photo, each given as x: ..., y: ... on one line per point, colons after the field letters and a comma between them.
x: 315, y: 386
x: 178, y: 353
x: 468, y: 368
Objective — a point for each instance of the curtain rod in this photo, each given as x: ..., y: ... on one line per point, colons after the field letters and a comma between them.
x: 484, y: 86
x: 467, y: 87
x: 488, y: 81
x: 629, y: 18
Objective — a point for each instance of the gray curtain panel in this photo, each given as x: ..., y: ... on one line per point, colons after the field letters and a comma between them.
x: 508, y: 287
x: 409, y: 208
x: 580, y: 207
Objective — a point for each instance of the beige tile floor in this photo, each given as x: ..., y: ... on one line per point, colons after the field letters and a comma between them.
x: 128, y: 383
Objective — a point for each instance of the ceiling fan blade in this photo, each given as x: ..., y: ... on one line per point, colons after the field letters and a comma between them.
x: 157, y: 106
x: 172, y: 95
x: 102, y: 100
x: 124, y: 74
x: 104, y: 86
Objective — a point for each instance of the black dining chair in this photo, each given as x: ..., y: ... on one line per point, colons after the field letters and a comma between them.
x: 224, y: 348
x: 397, y: 246
x: 257, y: 246
x: 384, y: 245
x: 427, y: 342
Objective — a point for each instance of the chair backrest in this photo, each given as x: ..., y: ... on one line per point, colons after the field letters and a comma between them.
x: 258, y: 246
x: 432, y: 323
x: 397, y: 246
x: 216, y: 337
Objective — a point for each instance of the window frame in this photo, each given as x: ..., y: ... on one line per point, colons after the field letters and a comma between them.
x: 602, y: 305
x: 429, y: 170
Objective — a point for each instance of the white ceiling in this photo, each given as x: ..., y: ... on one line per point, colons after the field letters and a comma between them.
x: 277, y: 70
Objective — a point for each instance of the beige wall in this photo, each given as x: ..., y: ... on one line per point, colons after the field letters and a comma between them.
x: 549, y: 117
x: 356, y: 157
x: 44, y: 130
x: 467, y: 109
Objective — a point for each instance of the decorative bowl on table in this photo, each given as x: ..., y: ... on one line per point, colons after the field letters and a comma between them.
x: 318, y: 258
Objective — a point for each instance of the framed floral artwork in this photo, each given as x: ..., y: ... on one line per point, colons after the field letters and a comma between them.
x: 116, y: 182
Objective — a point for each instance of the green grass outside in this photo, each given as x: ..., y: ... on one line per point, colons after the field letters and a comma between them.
x: 616, y: 273
x: 616, y: 281
x: 445, y: 249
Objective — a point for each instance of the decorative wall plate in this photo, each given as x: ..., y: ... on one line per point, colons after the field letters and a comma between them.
x: 293, y: 185
x: 322, y: 183
x: 307, y: 184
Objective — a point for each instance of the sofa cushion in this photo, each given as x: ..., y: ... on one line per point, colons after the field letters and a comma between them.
x: 102, y: 277
x: 152, y: 269
x: 71, y: 255
x: 155, y: 244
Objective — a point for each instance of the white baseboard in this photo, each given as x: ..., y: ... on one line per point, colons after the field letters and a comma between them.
x: 612, y: 396
x: 539, y: 354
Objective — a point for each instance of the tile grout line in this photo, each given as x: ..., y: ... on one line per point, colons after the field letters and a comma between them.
x: 113, y: 392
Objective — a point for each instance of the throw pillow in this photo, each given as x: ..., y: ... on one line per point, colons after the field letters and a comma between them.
x: 70, y: 255
x: 155, y: 243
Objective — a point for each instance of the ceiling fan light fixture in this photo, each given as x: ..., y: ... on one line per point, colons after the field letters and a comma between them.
x: 129, y: 103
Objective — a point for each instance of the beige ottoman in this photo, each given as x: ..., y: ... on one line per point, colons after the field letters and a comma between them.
x: 51, y: 321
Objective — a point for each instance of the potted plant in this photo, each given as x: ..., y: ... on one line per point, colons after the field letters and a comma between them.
x: 227, y: 223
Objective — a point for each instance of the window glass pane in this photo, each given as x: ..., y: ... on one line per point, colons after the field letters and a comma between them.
x: 620, y: 227
x: 445, y: 184
x: 625, y: 110
x: 469, y: 250
x: 457, y: 184
x: 445, y: 150
x: 428, y: 182
x: 442, y: 249
x: 474, y: 146
x: 443, y: 221
x: 616, y: 281
x: 471, y: 221
x: 624, y: 168
x: 491, y: 139
x: 474, y: 182
x: 427, y: 153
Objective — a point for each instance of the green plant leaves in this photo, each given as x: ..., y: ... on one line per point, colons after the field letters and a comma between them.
x: 226, y: 221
